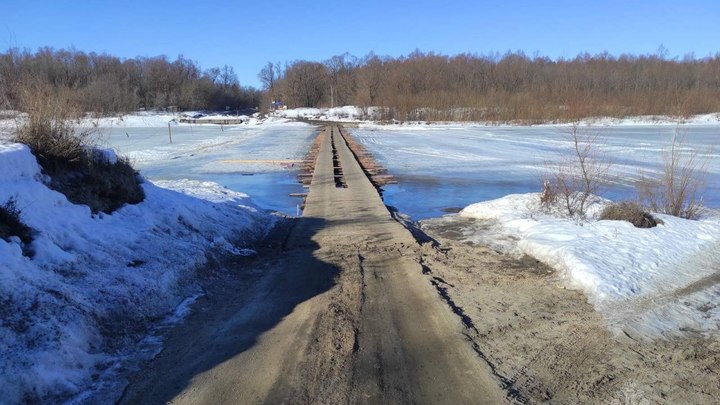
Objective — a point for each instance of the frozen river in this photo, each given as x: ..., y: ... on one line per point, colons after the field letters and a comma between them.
x: 246, y: 158
x: 441, y: 169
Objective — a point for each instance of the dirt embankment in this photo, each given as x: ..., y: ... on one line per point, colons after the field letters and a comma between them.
x: 551, y: 344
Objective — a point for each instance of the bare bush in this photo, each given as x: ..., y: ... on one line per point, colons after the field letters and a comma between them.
x: 49, y: 128
x: 677, y: 190
x: 573, y: 180
x: 11, y: 224
x: 102, y: 185
x: 64, y: 149
x: 631, y: 212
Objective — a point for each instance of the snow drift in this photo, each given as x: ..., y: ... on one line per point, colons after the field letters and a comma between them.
x: 96, y: 282
x: 650, y: 280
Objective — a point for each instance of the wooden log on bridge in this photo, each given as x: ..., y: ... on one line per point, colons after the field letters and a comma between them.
x: 307, y: 165
x: 377, y: 174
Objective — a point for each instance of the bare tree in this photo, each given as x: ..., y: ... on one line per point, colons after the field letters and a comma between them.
x: 4, y: 102
x: 342, y: 78
x: 227, y: 77
x: 267, y: 78
x: 306, y: 82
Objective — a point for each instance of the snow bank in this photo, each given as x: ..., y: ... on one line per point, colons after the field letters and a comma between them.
x: 368, y: 115
x: 139, y: 119
x: 618, y: 265
x: 96, y: 282
x: 298, y: 113
x: 340, y: 114
x: 701, y: 119
x: 643, y: 120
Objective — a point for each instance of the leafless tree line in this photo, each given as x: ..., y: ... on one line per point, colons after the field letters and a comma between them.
x: 106, y: 84
x: 419, y: 86
x: 428, y: 86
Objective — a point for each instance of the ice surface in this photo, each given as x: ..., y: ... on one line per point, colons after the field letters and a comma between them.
x: 248, y: 158
x: 446, y: 167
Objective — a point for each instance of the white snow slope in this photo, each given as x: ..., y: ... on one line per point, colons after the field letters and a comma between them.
x: 96, y: 282
x: 343, y: 114
x: 648, y: 282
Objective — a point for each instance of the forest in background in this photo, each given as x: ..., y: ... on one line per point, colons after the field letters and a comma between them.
x: 428, y: 86
x: 106, y: 84
x: 419, y: 86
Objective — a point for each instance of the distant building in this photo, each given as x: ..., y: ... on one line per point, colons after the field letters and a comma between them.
x: 278, y: 105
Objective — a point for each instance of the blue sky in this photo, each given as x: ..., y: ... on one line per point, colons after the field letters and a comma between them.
x: 246, y: 35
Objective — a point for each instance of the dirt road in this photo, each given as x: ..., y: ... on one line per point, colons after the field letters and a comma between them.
x: 343, y: 314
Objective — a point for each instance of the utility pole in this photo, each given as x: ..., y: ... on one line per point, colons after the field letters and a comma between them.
x: 332, y: 97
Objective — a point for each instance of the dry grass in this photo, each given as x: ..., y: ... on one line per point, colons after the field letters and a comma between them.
x: 11, y: 223
x: 49, y: 128
x: 66, y: 154
x: 631, y: 212
x: 101, y: 185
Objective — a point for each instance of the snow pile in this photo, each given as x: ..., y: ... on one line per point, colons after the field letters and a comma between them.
x: 339, y: 114
x: 664, y: 120
x: 138, y: 119
x: 96, y: 282
x: 657, y: 276
x: 298, y: 113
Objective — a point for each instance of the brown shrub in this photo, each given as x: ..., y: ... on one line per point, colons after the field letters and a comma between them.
x: 50, y: 126
x: 103, y: 186
x: 10, y: 223
x: 677, y: 191
x: 631, y: 212
x: 64, y: 150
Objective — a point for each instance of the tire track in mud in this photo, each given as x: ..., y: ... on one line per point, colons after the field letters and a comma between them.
x: 552, y: 345
x: 471, y: 334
